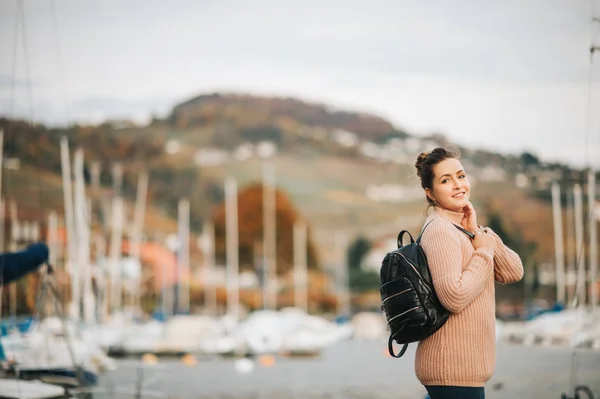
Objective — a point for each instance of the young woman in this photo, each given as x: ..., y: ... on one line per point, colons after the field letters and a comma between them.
x: 460, y: 357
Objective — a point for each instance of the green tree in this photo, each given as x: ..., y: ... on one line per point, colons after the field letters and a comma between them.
x: 529, y: 159
x: 360, y: 280
x: 363, y: 280
x: 357, y: 252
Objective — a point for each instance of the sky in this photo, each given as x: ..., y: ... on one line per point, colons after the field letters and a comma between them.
x: 505, y: 75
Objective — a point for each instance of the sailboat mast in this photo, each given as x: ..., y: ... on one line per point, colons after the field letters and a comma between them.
x: 269, y: 237
x: 183, y: 256
x: 300, y: 274
x: 71, y: 237
x: 558, y: 244
x: 579, y: 245
x: 593, y: 238
x: 115, y: 253
x: 138, y: 227
x: 83, y: 237
x: 2, y: 203
x: 208, y: 254
x: 231, y: 231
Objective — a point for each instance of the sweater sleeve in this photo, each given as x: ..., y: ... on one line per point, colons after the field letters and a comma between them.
x: 508, y: 267
x: 456, y: 288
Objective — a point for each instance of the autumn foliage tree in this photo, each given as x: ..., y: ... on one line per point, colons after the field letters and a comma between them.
x: 250, y: 222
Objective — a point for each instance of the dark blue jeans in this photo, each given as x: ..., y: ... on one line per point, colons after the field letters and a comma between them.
x: 450, y: 392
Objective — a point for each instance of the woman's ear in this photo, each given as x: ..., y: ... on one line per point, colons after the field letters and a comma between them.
x: 429, y: 195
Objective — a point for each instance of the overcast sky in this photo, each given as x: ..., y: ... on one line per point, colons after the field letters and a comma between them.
x: 510, y: 75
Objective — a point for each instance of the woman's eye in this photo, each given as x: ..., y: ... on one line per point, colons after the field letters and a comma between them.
x: 462, y: 176
x: 444, y: 181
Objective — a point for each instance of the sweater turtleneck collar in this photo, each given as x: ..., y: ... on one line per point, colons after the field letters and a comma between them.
x: 454, y: 217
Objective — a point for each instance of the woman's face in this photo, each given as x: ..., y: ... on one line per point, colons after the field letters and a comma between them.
x: 450, y: 189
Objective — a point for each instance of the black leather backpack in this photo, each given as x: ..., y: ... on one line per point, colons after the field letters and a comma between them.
x: 411, y: 307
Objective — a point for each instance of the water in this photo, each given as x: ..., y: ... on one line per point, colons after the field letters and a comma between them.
x: 357, y: 370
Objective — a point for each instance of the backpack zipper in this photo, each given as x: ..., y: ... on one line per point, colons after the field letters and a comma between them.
x: 403, y: 313
x: 396, y: 294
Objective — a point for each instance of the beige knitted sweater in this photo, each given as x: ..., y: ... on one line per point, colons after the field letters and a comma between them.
x: 463, y: 351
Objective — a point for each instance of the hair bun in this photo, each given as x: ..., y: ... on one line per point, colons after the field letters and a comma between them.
x: 420, y: 160
x: 423, y: 156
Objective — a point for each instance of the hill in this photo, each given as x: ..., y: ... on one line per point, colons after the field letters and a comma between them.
x: 257, y: 118
x: 341, y: 170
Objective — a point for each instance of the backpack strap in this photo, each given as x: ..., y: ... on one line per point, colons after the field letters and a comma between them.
x: 424, y: 227
x: 401, y: 236
x: 467, y: 232
x: 391, y: 348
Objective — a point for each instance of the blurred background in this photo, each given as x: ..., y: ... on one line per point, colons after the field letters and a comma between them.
x: 218, y: 183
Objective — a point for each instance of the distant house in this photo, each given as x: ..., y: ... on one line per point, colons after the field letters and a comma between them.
x: 521, y: 180
x: 266, y: 149
x: 369, y: 149
x: 344, y: 138
x: 210, y: 156
x: 243, y: 152
x: 172, y: 147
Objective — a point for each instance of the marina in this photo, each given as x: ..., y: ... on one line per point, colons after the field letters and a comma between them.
x: 230, y: 245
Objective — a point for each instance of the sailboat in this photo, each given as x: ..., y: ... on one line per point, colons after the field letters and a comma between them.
x: 19, y: 389
x: 15, y: 265
x: 41, y: 355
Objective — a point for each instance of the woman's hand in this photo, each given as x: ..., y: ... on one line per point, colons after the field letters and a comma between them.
x: 484, y: 239
x: 469, y: 220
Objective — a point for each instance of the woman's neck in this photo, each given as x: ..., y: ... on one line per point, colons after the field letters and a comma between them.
x: 454, y: 217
